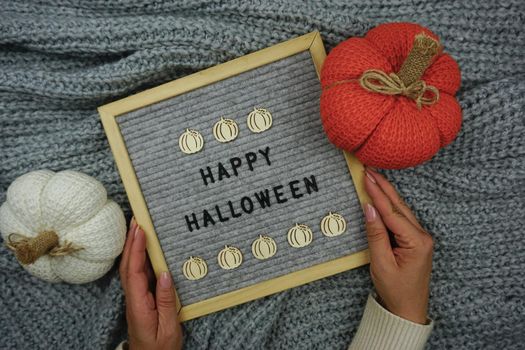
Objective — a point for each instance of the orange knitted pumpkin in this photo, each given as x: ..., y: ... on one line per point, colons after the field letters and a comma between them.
x: 389, y: 97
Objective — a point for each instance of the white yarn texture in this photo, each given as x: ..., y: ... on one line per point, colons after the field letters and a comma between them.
x: 73, y: 205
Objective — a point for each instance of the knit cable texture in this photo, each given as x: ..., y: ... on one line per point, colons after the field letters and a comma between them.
x: 61, y: 59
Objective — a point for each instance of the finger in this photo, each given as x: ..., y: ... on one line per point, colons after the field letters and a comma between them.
x: 124, y: 260
x: 141, y: 312
x: 137, y: 252
x: 150, y: 274
x: 137, y: 280
x: 127, y: 245
x: 394, y: 197
x: 378, y: 241
x: 169, y: 325
x: 405, y: 233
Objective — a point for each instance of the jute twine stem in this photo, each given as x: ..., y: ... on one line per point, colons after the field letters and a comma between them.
x: 419, y: 59
x: 28, y: 249
x: 407, y: 82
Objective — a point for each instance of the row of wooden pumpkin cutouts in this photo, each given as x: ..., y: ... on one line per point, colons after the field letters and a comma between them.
x: 225, y: 130
x: 264, y: 247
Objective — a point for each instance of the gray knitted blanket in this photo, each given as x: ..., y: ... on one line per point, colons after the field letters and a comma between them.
x: 60, y: 59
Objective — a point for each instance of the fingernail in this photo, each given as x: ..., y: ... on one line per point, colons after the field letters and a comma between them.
x: 165, y: 280
x: 137, y: 229
x: 370, y: 176
x: 371, y: 168
x: 370, y: 212
x: 132, y: 224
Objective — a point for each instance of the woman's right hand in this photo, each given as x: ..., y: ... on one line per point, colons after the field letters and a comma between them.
x: 151, y: 315
x: 400, y: 273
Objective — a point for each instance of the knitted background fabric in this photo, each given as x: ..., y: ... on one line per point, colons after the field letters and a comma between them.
x: 60, y: 59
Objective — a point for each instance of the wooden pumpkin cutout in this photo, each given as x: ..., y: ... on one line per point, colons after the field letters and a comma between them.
x: 191, y: 141
x: 225, y: 130
x: 300, y: 236
x: 229, y: 258
x: 333, y: 225
x: 259, y: 120
x: 194, y: 268
x: 264, y: 247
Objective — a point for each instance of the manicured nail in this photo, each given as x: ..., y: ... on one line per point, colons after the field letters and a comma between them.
x: 165, y: 280
x: 370, y: 212
x: 137, y: 229
x: 370, y: 176
x: 132, y: 224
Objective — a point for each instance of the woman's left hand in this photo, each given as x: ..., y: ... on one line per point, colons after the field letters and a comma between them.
x: 152, y: 320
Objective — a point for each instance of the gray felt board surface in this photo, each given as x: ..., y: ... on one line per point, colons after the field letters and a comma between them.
x: 173, y: 186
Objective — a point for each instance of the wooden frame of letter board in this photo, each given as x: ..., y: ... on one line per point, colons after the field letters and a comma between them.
x: 111, y: 111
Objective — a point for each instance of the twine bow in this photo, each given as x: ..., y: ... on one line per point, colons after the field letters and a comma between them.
x: 375, y: 80
x: 407, y: 82
x: 28, y: 249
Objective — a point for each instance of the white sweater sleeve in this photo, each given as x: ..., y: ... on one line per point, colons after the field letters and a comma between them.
x: 379, y: 329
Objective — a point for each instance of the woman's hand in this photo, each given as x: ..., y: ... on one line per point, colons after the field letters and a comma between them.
x: 401, y: 273
x: 152, y: 321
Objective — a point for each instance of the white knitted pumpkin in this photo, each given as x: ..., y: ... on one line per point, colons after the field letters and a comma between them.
x: 73, y: 208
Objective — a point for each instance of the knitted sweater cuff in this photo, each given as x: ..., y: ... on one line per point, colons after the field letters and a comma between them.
x: 380, y: 329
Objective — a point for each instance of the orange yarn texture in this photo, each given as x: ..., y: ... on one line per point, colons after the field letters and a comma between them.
x: 387, y: 131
